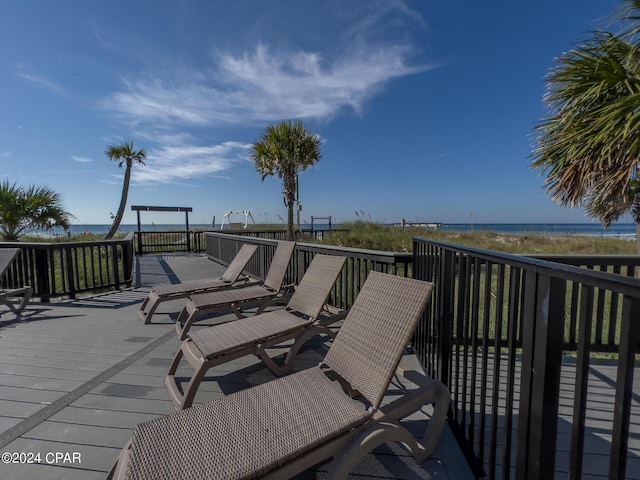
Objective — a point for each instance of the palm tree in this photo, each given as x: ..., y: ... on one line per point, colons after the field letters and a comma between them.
x: 285, y: 150
x: 32, y: 208
x: 589, y: 147
x: 127, y: 155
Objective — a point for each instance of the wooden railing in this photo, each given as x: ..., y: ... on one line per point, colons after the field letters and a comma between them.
x: 72, y: 268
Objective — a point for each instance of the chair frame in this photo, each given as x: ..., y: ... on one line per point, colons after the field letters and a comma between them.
x: 377, y: 424
x: 7, y: 256
x: 327, y: 267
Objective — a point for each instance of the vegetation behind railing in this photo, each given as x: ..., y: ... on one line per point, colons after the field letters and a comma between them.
x: 68, y: 269
x: 495, y: 334
x: 359, y: 263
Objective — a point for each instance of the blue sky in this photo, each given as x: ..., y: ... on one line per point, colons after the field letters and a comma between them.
x: 426, y: 109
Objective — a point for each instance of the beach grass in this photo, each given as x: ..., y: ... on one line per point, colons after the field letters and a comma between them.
x: 375, y: 236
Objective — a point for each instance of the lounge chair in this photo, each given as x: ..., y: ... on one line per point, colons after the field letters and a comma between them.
x: 281, y: 428
x: 299, y: 320
x: 232, y: 277
x: 7, y: 296
x: 271, y: 292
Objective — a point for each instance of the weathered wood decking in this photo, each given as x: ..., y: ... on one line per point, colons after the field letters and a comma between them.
x: 76, y: 376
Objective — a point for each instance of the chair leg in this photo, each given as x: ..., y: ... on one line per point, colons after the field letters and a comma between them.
x: 184, y: 399
x: 26, y: 293
x: 119, y: 469
x: 152, y: 299
x: 185, y: 320
x: 370, y: 438
x: 301, y: 339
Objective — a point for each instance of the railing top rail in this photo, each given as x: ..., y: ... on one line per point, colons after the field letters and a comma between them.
x: 331, y: 249
x: 587, y: 259
x: 48, y: 245
x: 618, y: 283
x: 361, y: 252
x: 242, y: 238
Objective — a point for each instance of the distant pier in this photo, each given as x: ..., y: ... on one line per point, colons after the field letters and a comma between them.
x: 432, y: 225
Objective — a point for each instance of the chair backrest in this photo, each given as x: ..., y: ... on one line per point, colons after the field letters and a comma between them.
x: 6, y: 257
x: 239, y: 262
x: 279, y: 265
x: 314, y: 288
x: 376, y: 331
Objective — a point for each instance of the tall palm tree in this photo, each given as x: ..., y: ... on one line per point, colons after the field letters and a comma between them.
x: 127, y: 155
x: 285, y: 150
x: 32, y: 208
x: 589, y: 147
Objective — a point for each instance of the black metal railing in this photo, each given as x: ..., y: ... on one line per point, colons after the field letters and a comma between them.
x: 279, y: 234
x: 359, y: 263
x: 173, y: 241
x: 504, y: 333
x: 68, y: 269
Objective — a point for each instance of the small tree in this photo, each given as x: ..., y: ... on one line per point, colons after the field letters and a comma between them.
x: 127, y: 155
x: 285, y: 150
x: 32, y: 208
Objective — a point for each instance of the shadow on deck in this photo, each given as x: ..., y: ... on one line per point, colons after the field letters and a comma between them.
x: 76, y: 377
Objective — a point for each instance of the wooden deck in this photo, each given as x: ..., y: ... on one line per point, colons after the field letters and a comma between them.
x: 76, y: 376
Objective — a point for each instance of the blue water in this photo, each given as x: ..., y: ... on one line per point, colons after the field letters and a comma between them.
x: 626, y: 230
x: 622, y: 230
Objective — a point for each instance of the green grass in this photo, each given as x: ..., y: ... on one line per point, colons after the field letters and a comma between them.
x: 383, y: 237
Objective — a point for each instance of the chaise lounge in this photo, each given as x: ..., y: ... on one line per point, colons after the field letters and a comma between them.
x: 281, y: 428
x: 271, y: 292
x: 8, y: 296
x: 299, y: 320
x: 231, y: 277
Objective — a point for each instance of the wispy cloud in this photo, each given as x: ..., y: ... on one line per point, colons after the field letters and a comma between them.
x: 39, y: 81
x: 265, y: 82
x: 5, y: 154
x: 263, y: 86
x: 179, y: 163
x: 81, y: 159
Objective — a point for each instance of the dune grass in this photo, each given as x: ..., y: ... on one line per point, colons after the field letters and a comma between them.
x: 384, y: 237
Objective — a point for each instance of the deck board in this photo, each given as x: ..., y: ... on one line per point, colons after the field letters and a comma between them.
x: 76, y: 376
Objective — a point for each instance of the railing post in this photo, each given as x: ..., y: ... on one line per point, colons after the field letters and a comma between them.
x: 113, y: 249
x: 542, y: 335
x: 127, y: 258
x: 139, y: 238
x: 42, y: 287
x: 446, y: 279
x: 629, y: 339
x: 66, y: 260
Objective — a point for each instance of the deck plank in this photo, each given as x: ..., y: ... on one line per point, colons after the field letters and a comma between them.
x: 78, y: 375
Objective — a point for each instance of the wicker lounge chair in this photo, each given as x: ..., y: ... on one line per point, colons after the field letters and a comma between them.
x: 272, y: 291
x: 7, y: 296
x: 232, y: 277
x: 281, y: 428
x: 300, y: 320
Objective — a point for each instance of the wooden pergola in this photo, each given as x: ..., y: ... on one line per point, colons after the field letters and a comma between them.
x: 147, y: 208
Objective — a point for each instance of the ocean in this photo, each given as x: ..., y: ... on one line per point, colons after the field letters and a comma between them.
x: 621, y: 230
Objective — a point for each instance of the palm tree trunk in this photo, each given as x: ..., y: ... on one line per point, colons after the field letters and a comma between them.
x: 123, y: 203
x: 290, y: 221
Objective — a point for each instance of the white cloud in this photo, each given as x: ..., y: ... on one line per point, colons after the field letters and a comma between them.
x: 81, y: 159
x: 40, y: 81
x: 5, y: 154
x: 263, y: 86
x: 178, y: 163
